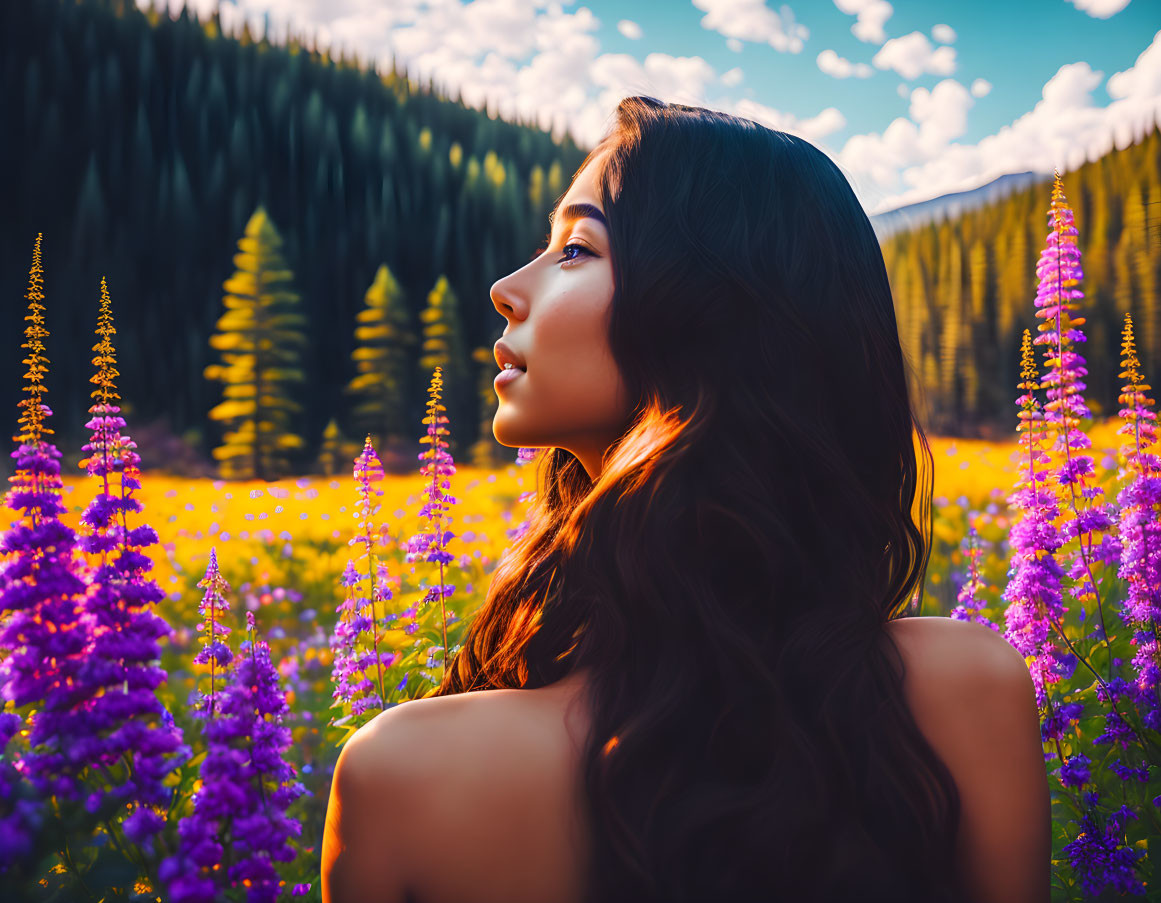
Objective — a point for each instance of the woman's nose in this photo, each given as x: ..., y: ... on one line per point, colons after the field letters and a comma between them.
x: 507, y: 298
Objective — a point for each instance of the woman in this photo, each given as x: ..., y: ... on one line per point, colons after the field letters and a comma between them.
x: 699, y: 683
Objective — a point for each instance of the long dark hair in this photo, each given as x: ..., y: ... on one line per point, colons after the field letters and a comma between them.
x: 728, y: 575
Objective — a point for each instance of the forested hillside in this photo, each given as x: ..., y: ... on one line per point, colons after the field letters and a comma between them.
x: 140, y: 145
x: 965, y: 289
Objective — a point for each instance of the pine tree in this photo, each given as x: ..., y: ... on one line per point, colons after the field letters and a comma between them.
x: 1016, y: 285
x: 951, y: 298
x: 260, y: 337
x: 384, y: 338
x: 335, y: 451
x: 978, y: 286
x: 443, y: 343
x: 1144, y: 272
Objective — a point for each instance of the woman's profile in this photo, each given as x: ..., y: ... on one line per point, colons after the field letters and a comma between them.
x: 692, y: 678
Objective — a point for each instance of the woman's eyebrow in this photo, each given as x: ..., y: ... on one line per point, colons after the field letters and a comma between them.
x: 579, y: 211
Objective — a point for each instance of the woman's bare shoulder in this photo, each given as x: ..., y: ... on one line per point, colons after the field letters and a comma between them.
x: 972, y: 696
x: 493, y: 775
x: 945, y: 646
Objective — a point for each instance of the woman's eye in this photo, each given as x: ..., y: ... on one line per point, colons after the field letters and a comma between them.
x: 573, y: 245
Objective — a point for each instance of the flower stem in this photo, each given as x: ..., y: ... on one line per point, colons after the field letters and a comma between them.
x: 1143, y: 738
x: 374, y: 611
x: 1065, y: 425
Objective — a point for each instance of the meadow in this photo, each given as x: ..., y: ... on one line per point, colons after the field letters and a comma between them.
x: 183, y: 659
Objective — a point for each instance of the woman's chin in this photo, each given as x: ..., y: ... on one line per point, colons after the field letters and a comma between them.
x: 506, y: 435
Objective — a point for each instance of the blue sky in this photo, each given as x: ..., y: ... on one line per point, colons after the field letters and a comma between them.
x: 911, y: 99
x: 1015, y: 45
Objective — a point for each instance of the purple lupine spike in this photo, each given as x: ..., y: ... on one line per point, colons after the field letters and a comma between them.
x: 432, y: 546
x: 1059, y: 274
x: 1033, y: 592
x: 41, y: 581
x: 368, y: 471
x: 969, y: 599
x: 121, y: 716
x: 1140, y: 530
x: 352, y: 663
x: 1140, y: 423
x: 214, y: 651
x: 246, y: 788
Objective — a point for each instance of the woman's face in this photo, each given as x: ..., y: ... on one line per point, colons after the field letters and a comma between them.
x: 557, y: 307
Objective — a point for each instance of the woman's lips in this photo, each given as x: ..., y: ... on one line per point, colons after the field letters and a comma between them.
x: 506, y: 376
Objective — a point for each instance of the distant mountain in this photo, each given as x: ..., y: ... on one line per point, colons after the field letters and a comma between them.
x: 923, y: 212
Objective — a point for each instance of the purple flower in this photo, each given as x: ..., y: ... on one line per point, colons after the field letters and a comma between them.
x: 1099, y: 860
x: 1075, y: 771
x: 121, y: 716
x: 523, y: 456
x: 1140, y: 528
x: 246, y: 788
x: 1059, y: 273
x: 1060, y: 720
x: 1128, y: 772
x: 1139, y: 428
x: 20, y: 816
x: 214, y: 651
x: 1116, y: 731
x: 1033, y: 591
x: 353, y: 661
x: 970, y: 602
x: 358, y: 657
x: 431, y: 544
x: 41, y: 583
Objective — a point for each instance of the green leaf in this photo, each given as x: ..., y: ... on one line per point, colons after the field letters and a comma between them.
x: 111, y: 870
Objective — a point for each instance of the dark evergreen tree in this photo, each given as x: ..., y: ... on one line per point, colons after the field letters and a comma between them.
x: 443, y: 346
x: 261, y: 337
x: 383, y: 384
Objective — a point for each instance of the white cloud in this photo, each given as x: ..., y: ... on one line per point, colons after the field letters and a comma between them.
x: 904, y: 90
x: 1100, y: 9
x: 871, y: 16
x: 629, y: 29
x: 944, y: 34
x: 684, y: 80
x: 981, y: 87
x: 681, y: 79
x: 813, y: 128
x: 752, y: 20
x: 732, y: 77
x: 1142, y: 81
x: 937, y: 116
x: 833, y: 64
x: 940, y: 113
x: 734, y: 44
x: 903, y: 165
x: 912, y: 55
